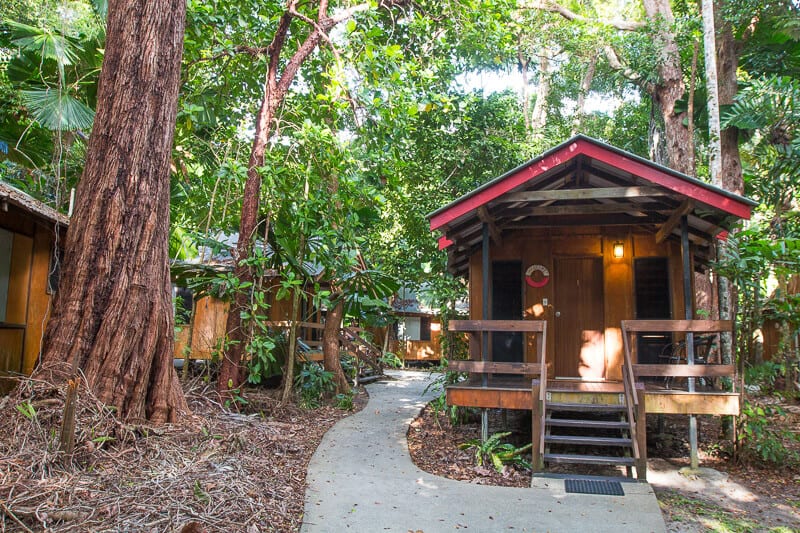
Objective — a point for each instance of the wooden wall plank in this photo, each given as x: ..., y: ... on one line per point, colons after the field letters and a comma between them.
x: 39, y: 300
x: 489, y: 398
x: 19, y: 279
x: 684, y: 403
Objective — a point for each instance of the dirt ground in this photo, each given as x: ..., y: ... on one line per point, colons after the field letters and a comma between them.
x: 725, y: 495
x: 220, y: 470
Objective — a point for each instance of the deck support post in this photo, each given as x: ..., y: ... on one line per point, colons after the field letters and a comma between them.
x: 688, y: 301
x: 485, y: 316
x: 537, y: 458
x: 641, y: 437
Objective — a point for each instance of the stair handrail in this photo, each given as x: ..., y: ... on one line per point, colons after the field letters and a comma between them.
x: 541, y: 348
x: 631, y: 396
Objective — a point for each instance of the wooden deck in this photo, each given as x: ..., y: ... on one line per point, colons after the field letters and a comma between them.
x: 514, y: 392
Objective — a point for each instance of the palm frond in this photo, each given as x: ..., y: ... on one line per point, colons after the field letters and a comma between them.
x: 57, y: 111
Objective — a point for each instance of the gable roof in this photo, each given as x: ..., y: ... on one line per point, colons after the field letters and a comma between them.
x: 584, y: 181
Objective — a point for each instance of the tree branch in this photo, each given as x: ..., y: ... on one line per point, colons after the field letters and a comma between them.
x: 554, y: 7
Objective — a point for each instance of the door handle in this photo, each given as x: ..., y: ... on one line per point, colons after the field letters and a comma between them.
x: 558, y: 314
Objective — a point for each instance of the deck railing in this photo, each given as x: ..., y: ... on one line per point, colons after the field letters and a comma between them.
x: 477, y: 328
x: 694, y: 402
x: 690, y: 370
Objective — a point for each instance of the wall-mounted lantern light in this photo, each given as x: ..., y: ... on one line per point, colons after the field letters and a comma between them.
x: 619, y: 250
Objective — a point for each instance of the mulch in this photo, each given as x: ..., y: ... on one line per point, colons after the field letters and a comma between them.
x: 218, y: 470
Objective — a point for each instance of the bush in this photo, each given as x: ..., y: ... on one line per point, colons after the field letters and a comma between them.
x: 496, y: 452
x: 764, y: 375
x: 761, y: 436
x: 313, y: 382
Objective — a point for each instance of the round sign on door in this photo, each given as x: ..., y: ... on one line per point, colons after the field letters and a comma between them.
x: 537, y: 276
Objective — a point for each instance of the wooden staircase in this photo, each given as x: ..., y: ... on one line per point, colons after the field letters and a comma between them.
x: 587, y: 433
x: 587, y: 424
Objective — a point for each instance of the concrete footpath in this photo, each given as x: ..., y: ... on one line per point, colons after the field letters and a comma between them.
x: 362, y: 479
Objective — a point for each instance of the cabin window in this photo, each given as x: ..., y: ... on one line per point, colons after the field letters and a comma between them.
x: 653, y: 302
x: 506, y: 298
x: 412, y: 328
x: 6, y: 240
x: 425, y: 328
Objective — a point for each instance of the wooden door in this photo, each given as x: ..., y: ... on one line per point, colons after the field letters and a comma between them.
x: 578, y: 322
x: 507, y: 305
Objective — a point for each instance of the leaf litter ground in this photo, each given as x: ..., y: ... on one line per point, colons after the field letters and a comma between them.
x: 217, y: 471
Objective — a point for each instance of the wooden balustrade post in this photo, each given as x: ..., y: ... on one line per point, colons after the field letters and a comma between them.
x: 641, y: 437
x: 537, y: 458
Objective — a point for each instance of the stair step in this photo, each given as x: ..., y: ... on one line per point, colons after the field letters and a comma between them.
x: 589, y: 424
x: 587, y: 441
x: 585, y: 407
x: 587, y: 459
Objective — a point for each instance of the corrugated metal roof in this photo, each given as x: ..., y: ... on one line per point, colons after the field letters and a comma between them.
x: 28, y: 203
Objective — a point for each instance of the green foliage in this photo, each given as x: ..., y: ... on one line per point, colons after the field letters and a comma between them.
x: 762, y: 437
x: 391, y: 360
x: 313, y: 383
x: 497, y: 453
x: 344, y: 401
x: 764, y: 375
x: 267, y: 355
x: 27, y: 410
x: 455, y: 414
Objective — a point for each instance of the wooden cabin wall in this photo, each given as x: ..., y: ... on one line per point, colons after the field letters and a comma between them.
x: 546, y: 246
x: 38, y: 297
x: 28, y: 302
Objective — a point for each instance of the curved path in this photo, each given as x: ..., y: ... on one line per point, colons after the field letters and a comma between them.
x: 362, y: 479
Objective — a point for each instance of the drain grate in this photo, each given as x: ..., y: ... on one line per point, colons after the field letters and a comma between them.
x: 594, y: 486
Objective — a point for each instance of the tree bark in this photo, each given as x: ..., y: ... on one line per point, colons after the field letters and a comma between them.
x: 330, y: 347
x: 586, y: 85
x: 712, y: 87
x: 727, y: 64
x: 539, y: 114
x: 112, y: 317
x: 670, y: 88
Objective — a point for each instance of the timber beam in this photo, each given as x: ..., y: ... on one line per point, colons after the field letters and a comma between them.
x: 485, y: 217
x: 583, y: 194
x: 672, y: 222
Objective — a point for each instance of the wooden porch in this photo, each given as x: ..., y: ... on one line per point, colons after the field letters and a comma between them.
x: 686, y: 389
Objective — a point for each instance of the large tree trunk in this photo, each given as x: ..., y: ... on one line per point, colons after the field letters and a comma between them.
x: 112, y: 317
x: 670, y: 88
x: 330, y: 346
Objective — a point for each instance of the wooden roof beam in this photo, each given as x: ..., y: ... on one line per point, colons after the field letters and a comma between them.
x: 583, y: 194
x: 585, y: 209
x: 674, y: 219
x: 488, y: 219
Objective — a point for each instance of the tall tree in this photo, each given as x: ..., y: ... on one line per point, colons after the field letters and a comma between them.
x: 280, y: 75
x: 112, y: 317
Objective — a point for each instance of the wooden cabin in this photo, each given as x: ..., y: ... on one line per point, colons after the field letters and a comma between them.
x: 418, y: 329
x: 571, y: 258
x: 30, y: 232
x: 201, y: 333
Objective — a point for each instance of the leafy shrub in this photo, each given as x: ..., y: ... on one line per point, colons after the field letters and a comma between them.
x: 496, y: 452
x: 313, y: 382
x: 761, y: 436
x: 457, y: 415
x: 266, y: 357
x: 764, y: 375
x: 344, y: 401
x: 391, y: 360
